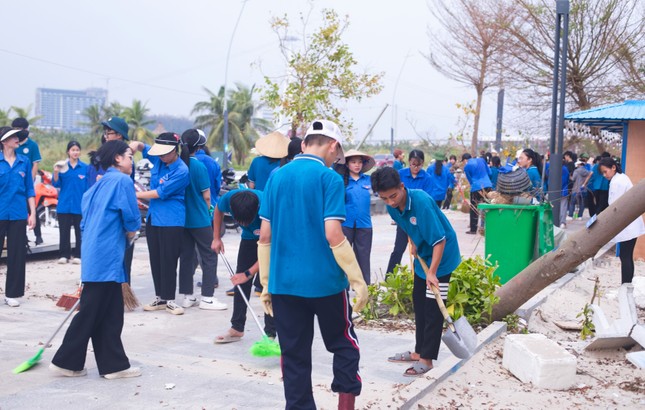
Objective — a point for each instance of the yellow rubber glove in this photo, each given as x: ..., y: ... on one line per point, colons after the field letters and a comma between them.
x: 264, y: 260
x: 344, y: 255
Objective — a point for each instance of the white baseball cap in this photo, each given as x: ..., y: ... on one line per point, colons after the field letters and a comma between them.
x: 331, y: 130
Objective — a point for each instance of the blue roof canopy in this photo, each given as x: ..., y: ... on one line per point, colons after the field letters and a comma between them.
x: 610, y: 117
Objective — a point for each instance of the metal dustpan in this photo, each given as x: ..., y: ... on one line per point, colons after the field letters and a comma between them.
x: 460, y: 337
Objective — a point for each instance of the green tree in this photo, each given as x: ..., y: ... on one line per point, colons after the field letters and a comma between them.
x: 4, y: 118
x: 136, y: 117
x: 94, y: 115
x: 114, y: 109
x: 24, y: 113
x: 320, y: 75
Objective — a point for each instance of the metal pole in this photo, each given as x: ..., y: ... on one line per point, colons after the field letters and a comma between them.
x: 500, y: 114
x: 372, y: 127
x: 225, y: 108
x: 396, y: 85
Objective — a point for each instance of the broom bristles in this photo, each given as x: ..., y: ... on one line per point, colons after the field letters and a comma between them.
x: 67, y: 301
x: 130, y: 301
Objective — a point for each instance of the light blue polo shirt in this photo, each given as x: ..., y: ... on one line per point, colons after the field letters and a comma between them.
x: 30, y: 150
x: 170, y: 181
x: 439, y: 183
x: 476, y: 171
x: 214, y: 174
x: 197, y: 214
x: 426, y: 225
x: 297, y: 202
x: 109, y: 210
x: 252, y: 231
x: 597, y: 182
x: 534, y: 176
x: 73, y: 185
x: 16, y: 186
x: 260, y: 170
x: 421, y: 181
x: 357, y: 202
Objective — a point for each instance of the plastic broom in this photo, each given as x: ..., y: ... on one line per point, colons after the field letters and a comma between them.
x: 262, y: 348
x: 32, y: 362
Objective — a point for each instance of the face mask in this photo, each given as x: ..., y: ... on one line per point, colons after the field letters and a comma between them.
x: 22, y: 135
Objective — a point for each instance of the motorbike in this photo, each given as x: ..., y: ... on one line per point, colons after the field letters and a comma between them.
x: 228, y: 184
x: 142, y: 184
x: 46, y: 200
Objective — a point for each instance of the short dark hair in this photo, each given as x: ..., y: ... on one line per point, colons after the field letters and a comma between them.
x: 244, y: 207
x: 105, y: 156
x: 20, y: 123
x: 496, y: 161
x: 466, y: 156
x: 317, y: 139
x: 453, y: 157
x: 416, y: 154
x: 385, y: 178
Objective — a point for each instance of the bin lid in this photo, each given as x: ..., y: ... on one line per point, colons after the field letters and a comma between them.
x: 490, y: 207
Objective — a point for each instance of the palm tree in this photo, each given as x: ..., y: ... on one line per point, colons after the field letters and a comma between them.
x: 113, y: 110
x: 136, y: 119
x: 4, y: 118
x: 24, y: 113
x: 94, y: 115
x: 243, y: 126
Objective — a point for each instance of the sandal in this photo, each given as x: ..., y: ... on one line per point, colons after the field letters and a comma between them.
x: 226, y: 338
x: 401, y: 358
x: 417, y: 369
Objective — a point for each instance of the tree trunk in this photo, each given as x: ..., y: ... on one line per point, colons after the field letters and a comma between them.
x: 580, y: 246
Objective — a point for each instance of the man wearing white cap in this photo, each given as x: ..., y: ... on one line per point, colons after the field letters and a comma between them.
x: 305, y: 262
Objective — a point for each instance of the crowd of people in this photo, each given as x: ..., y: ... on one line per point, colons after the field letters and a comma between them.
x: 300, y: 191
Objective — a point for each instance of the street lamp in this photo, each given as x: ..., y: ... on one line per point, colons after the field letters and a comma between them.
x: 228, y: 54
x: 396, y: 85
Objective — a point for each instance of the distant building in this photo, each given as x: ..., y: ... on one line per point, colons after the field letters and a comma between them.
x: 63, y: 109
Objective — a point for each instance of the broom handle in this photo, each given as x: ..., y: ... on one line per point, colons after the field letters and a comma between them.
x: 437, y: 296
x: 248, y: 305
x: 72, y: 310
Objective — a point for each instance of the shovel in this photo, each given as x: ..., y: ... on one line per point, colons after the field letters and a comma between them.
x: 460, y: 337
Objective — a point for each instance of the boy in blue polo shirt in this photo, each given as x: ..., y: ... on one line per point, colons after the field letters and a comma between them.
x: 243, y: 205
x: 433, y: 240
x: 477, y: 173
x: 305, y: 262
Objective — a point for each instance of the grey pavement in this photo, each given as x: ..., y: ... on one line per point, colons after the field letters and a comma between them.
x: 182, y: 367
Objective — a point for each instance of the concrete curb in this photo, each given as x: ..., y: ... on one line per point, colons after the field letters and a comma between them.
x: 420, y: 387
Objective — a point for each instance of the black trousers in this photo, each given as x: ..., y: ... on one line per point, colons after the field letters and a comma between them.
x: 428, y: 319
x: 446, y: 203
x: 100, y: 318
x: 294, y: 318
x: 361, y: 241
x: 37, y: 230
x: 200, y: 238
x: 127, y: 262
x: 476, y: 197
x: 400, y: 243
x: 65, y: 224
x: 246, y: 257
x: 16, y: 233
x: 164, y: 252
x: 626, y: 254
x: 602, y: 200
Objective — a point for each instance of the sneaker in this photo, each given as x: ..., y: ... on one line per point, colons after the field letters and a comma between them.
x: 212, y: 304
x: 230, y: 292
x: 129, y: 372
x: 569, y: 218
x: 157, y: 304
x: 76, y: 261
x: 11, y: 302
x: 62, y: 261
x: 175, y: 309
x: 39, y: 240
x: 66, y: 372
x: 471, y: 232
x: 189, y: 301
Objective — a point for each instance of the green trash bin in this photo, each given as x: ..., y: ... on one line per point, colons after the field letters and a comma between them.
x: 516, y: 235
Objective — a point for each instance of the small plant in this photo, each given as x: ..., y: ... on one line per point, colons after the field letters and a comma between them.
x: 588, y: 328
x: 512, y: 323
x: 472, y: 290
x: 371, y: 311
x: 397, y: 291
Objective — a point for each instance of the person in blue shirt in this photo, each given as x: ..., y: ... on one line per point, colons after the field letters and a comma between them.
x: 357, y: 226
x: 243, y: 205
x: 476, y: 171
x: 29, y: 148
x: 414, y: 177
x: 564, y: 194
x: 399, y: 159
x: 496, y: 164
x: 71, y: 177
x: 440, y: 180
x: 306, y: 265
x: 110, y: 220
x: 166, y: 216
x: 532, y: 162
x: 17, y: 187
x: 198, y: 232
x: 599, y: 186
x: 432, y: 239
x: 451, y: 185
x: 272, y: 148
x: 214, y: 171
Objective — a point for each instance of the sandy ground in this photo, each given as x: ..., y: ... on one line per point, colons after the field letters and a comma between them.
x: 604, y: 379
x: 179, y: 350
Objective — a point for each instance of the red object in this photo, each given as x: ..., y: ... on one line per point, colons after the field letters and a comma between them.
x: 46, y: 194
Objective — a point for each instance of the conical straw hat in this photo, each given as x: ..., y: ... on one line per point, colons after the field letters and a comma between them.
x: 273, y: 145
x: 368, y: 160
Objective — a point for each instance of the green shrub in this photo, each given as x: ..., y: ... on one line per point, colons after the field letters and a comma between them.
x: 392, y: 297
x: 472, y: 290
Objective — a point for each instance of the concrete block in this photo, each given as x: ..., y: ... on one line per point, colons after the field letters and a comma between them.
x: 535, y: 359
x: 639, y: 291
